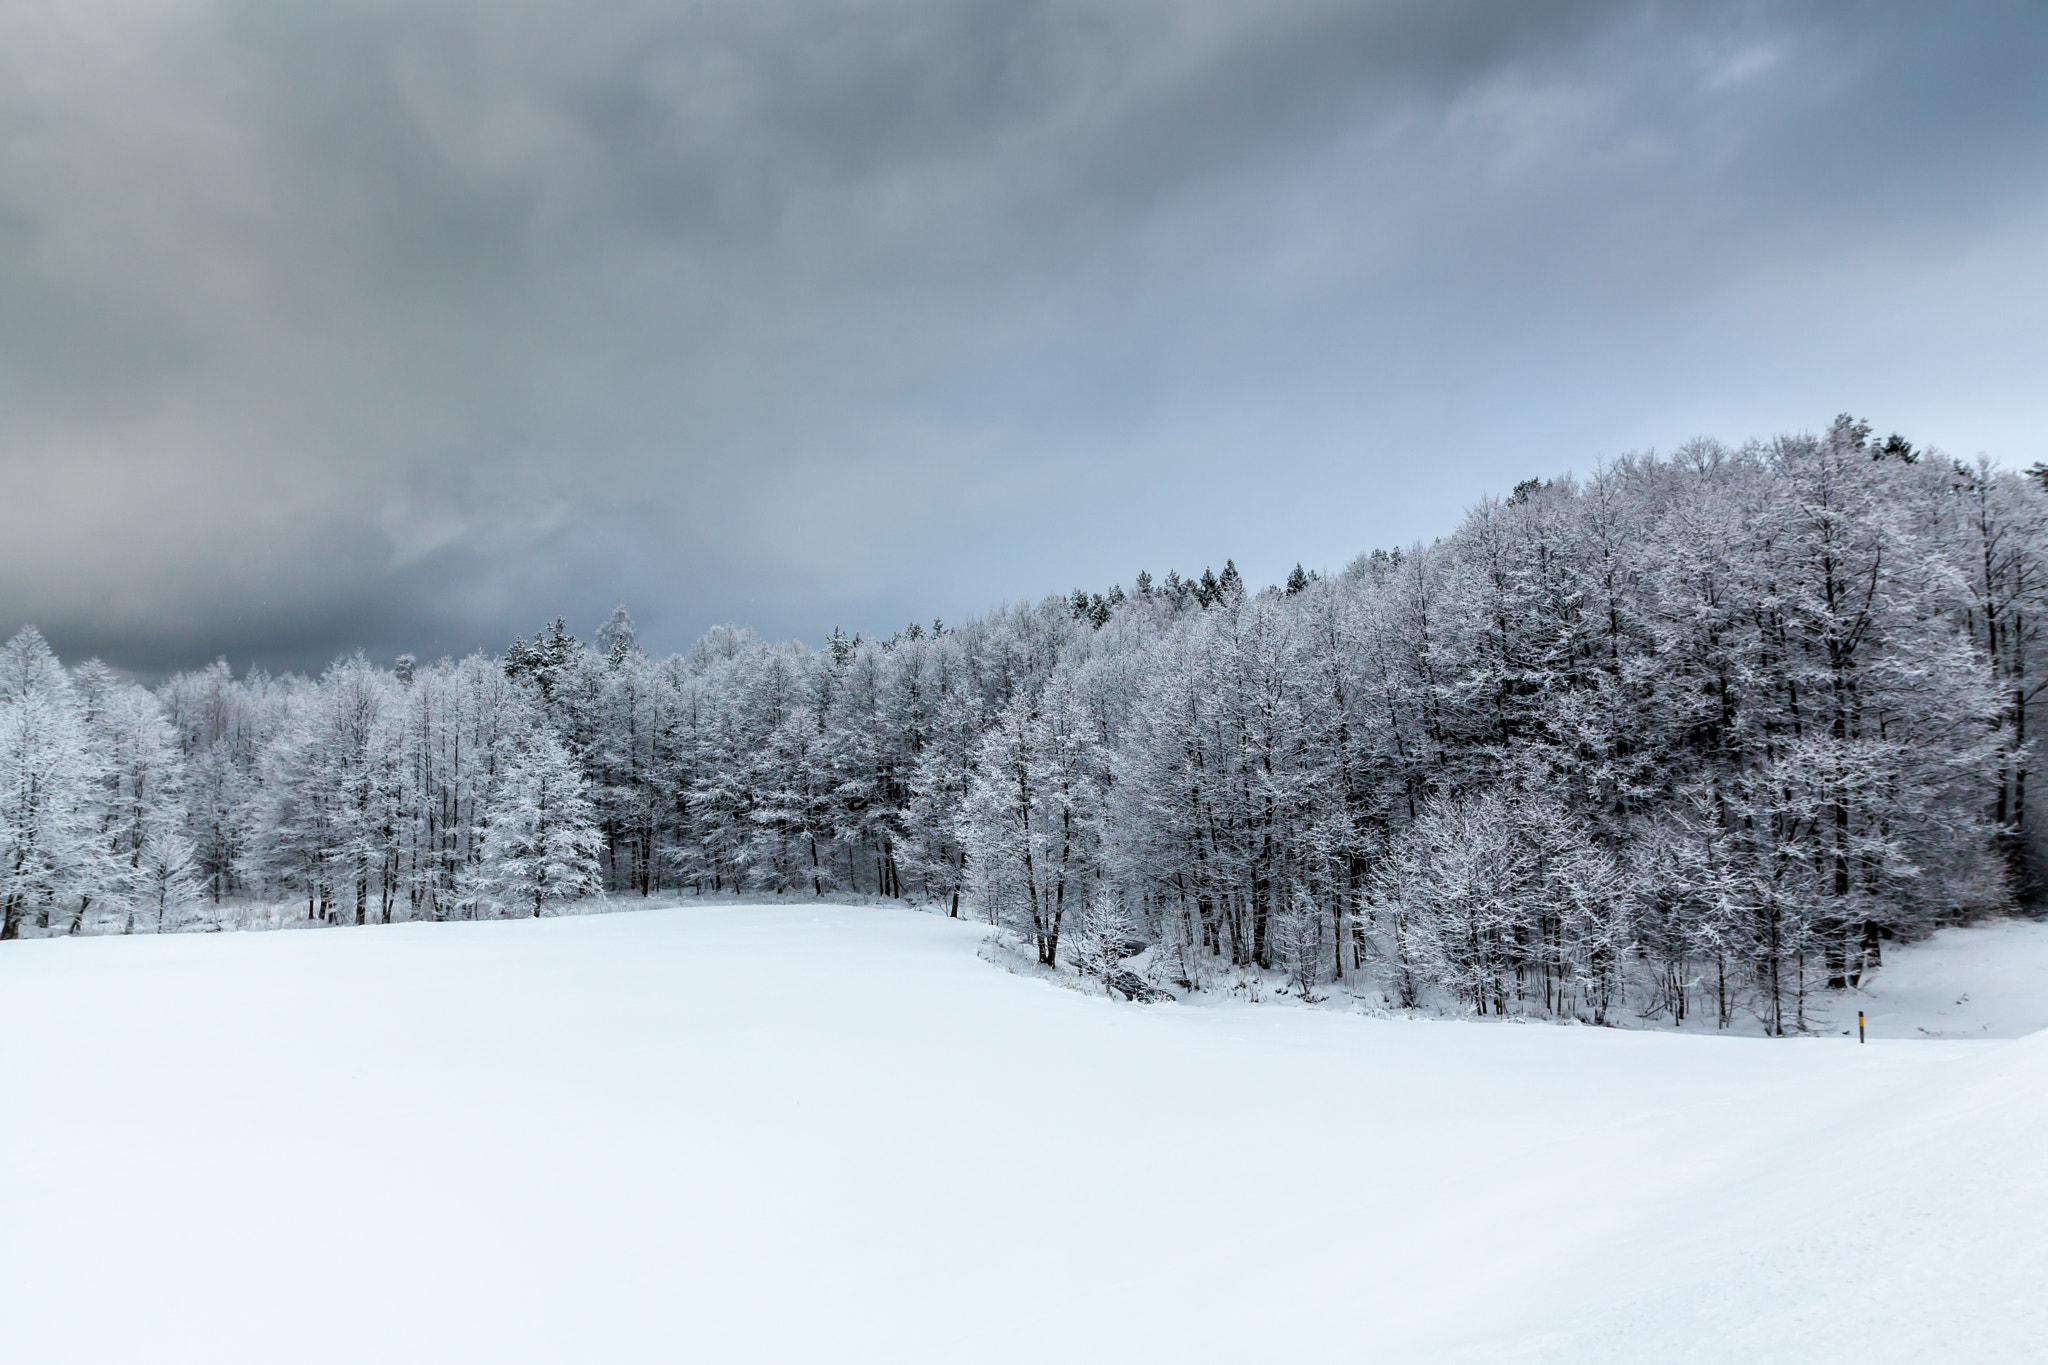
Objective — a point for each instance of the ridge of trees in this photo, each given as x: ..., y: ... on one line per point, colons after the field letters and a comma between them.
x: 1696, y: 734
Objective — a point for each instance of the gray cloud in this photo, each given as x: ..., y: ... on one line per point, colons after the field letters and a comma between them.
x: 407, y: 325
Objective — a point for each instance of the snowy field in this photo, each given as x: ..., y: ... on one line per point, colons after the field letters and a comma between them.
x: 822, y: 1133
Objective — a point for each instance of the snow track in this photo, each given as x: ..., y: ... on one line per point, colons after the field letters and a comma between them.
x: 813, y: 1133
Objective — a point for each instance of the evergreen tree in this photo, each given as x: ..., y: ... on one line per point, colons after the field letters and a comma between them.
x: 547, y: 659
x: 540, y: 842
x: 617, y: 639
x: 1230, y: 587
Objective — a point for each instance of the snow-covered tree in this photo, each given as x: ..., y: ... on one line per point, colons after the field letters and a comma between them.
x: 52, y: 791
x: 1032, y: 820
x: 1103, y: 932
x: 540, y: 841
x: 1694, y: 735
x: 166, y: 882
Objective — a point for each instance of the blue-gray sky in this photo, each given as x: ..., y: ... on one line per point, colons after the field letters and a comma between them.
x: 347, y: 323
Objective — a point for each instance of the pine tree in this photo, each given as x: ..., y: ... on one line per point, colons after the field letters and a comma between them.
x: 617, y: 639
x: 541, y: 842
x: 547, y: 659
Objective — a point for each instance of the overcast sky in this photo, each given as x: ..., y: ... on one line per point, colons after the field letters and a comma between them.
x: 339, y: 323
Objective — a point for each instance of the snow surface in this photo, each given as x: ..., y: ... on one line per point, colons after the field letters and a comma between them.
x: 831, y: 1133
x: 1987, y: 981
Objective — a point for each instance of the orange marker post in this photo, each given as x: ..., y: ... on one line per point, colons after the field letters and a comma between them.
x: 1859, y: 1026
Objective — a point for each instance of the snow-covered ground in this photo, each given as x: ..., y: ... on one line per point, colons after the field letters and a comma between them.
x: 1990, y: 981
x: 821, y: 1133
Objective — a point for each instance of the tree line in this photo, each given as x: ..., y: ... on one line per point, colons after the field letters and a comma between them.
x: 1693, y: 736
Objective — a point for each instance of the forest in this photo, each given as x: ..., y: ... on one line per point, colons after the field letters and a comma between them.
x: 1690, y: 738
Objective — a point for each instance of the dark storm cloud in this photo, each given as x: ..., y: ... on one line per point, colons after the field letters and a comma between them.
x: 407, y: 325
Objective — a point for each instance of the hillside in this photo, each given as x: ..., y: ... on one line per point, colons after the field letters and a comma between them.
x: 831, y: 1133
